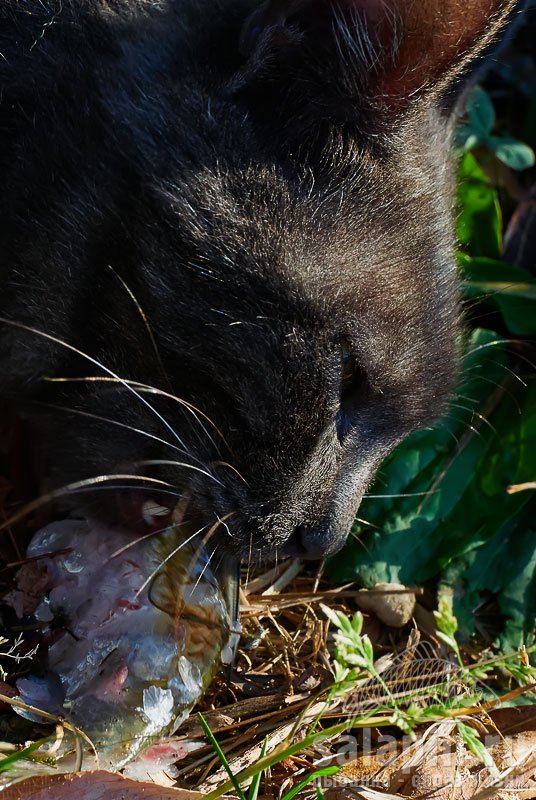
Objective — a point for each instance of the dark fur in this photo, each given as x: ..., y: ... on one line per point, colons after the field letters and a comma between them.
x: 259, y: 204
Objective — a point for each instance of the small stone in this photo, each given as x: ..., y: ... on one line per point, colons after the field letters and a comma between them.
x: 389, y: 602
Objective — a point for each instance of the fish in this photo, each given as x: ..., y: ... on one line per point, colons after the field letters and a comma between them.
x: 135, y: 631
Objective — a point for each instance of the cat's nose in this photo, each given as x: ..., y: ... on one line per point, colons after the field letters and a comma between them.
x: 314, y: 541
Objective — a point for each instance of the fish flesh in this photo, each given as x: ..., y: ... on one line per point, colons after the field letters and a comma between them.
x: 135, y: 631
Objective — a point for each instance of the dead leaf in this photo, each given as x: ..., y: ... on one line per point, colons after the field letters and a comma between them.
x: 93, y: 786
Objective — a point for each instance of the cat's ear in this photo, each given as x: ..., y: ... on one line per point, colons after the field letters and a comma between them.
x: 403, y: 48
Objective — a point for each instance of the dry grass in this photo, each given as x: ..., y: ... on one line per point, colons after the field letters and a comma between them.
x: 278, y: 690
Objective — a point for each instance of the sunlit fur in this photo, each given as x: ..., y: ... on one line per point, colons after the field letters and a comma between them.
x: 254, y: 209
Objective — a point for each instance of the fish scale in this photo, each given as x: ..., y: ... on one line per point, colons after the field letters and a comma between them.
x: 144, y: 628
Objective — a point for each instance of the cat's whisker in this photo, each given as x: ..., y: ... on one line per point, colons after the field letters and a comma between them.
x: 360, y: 541
x: 224, y: 523
x: 150, y: 462
x: 473, y: 302
x: 145, y: 320
x: 498, y: 342
x: 98, y: 364
x: 206, y: 538
x: 139, y: 540
x: 144, y: 388
x: 229, y: 466
x: 196, y: 412
x: 218, y: 562
x: 127, y: 487
x: 393, y: 496
x: 461, y: 444
x: 165, y: 560
x: 487, y: 345
x: 475, y: 413
x: 443, y: 424
x: 468, y: 425
x: 458, y: 396
x: 367, y: 523
x: 87, y: 414
x: 248, y: 567
x: 71, y: 488
x: 210, y: 533
x: 514, y: 374
x: 143, y: 538
x: 497, y: 385
x: 526, y: 360
x: 276, y: 556
x: 206, y: 566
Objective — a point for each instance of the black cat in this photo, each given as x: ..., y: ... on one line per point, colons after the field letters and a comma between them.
x: 249, y: 208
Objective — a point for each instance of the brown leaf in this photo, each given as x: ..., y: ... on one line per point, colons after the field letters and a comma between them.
x: 93, y: 786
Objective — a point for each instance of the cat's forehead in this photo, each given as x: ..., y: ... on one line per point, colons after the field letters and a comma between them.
x: 344, y: 234
x: 316, y: 257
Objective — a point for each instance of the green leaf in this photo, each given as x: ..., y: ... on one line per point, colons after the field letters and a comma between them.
x: 448, y: 640
x: 357, y: 622
x: 480, y: 111
x: 473, y: 743
x: 512, y: 152
x: 404, y: 721
x: 467, y: 139
x: 331, y: 614
x: 446, y: 622
x: 479, y: 224
x: 511, y: 289
x: 506, y: 567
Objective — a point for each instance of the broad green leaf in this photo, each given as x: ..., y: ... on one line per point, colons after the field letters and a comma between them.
x: 467, y: 139
x: 479, y: 223
x: 506, y: 567
x: 512, y: 152
x: 510, y: 288
x: 517, y: 597
x: 480, y: 111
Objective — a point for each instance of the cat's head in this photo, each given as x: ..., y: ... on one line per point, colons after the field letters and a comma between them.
x: 279, y: 204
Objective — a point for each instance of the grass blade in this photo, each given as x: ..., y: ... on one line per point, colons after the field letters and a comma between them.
x: 256, y: 782
x: 319, y: 773
x: 9, y: 761
x: 221, y: 755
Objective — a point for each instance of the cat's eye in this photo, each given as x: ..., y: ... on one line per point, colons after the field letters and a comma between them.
x: 348, y: 363
x: 351, y: 387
